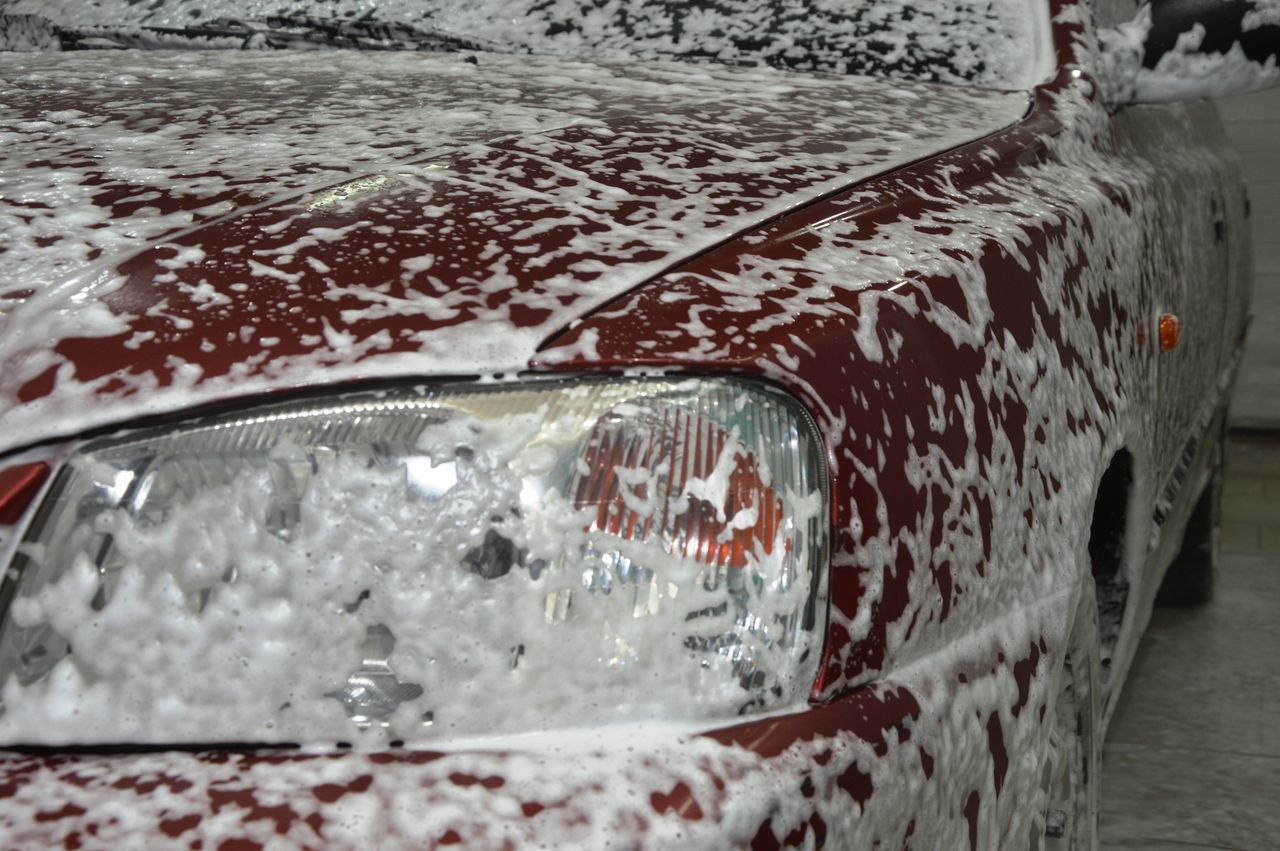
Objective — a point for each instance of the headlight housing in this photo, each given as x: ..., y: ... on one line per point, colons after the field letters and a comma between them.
x: 400, y: 566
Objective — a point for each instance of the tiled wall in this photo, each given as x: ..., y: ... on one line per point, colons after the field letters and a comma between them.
x: 1253, y: 122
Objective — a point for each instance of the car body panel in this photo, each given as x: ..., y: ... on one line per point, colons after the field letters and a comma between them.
x: 480, y: 209
x: 975, y: 334
x: 934, y: 366
x: 880, y: 765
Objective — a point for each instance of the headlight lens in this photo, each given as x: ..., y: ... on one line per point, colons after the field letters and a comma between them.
x: 427, y: 562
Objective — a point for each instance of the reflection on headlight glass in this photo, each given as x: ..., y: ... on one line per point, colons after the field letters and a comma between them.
x: 422, y: 563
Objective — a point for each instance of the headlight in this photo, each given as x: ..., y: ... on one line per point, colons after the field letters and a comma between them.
x: 420, y: 563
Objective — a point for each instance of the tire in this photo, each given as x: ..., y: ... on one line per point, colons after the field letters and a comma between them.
x: 1190, y: 578
x: 1071, y: 767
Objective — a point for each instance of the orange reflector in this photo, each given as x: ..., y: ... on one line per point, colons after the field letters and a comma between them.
x: 1170, y: 332
x: 654, y: 507
x: 18, y: 486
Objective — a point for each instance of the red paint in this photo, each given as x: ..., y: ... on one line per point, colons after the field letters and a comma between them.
x: 999, y: 756
x: 465, y: 780
x: 330, y: 792
x: 179, y: 826
x: 642, y: 329
x: 239, y: 845
x: 926, y: 763
x: 857, y: 784
x: 971, y: 805
x: 214, y: 344
x: 18, y: 486
x: 66, y: 811
x: 679, y: 800
x: 1023, y: 672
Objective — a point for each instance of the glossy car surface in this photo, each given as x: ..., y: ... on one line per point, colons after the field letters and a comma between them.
x: 1013, y: 317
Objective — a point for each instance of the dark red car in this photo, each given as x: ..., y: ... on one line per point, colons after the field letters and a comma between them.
x: 601, y: 424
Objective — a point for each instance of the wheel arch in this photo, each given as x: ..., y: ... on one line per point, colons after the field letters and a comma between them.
x: 1114, y: 535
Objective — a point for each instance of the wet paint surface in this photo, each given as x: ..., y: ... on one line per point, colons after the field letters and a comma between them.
x: 974, y: 335
x: 843, y: 773
x: 512, y: 197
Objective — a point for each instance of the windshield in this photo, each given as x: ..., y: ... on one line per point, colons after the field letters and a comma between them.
x: 989, y: 43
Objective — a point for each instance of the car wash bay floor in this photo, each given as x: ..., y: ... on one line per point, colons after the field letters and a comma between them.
x: 1192, y: 759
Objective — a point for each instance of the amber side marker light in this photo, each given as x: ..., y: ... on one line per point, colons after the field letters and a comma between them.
x: 1170, y: 332
x: 18, y: 486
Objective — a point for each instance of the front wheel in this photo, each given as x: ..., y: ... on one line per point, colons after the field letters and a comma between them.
x: 1189, y: 580
x: 1070, y: 773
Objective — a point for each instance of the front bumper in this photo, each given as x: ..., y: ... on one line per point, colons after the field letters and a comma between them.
x: 879, y: 767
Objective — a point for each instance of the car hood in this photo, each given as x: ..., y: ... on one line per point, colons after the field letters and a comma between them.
x: 184, y: 228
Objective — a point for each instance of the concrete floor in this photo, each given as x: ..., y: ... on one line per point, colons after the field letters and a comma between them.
x: 1193, y: 755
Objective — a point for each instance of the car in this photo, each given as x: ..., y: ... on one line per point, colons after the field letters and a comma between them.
x: 602, y: 424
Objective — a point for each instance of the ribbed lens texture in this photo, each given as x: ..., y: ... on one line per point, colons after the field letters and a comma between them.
x: 670, y: 452
x: 419, y: 563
